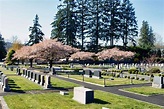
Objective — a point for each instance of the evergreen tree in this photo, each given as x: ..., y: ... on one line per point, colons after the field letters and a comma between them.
x: 128, y: 27
x: 78, y: 21
x: 94, y: 24
x: 111, y: 20
x: 2, y: 48
x: 147, y: 38
x: 36, y: 34
x: 159, y: 53
x: 82, y: 14
x: 64, y: 25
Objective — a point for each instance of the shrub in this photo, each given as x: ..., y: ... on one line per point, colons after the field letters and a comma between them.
x: 159, y: 75
x: 128, y: 77
x: 114, y: 75
x: 132, y: 77
x: 117, y: 75
x: 154, y: 70
x: 133, y: 71
x: 142, y: 79
x: 151, y: 75
x: 151, y: 79
x: 116, y: 71
x: 103, y: 73
x: 137, y: 78
x: 125, y: 76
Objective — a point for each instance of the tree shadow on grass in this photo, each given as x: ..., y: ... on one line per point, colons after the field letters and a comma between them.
x: 14, y: 87
x: 99, y: 101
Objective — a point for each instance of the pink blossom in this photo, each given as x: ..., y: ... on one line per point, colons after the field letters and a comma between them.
x: 114, y: 53
x: 82, y: 56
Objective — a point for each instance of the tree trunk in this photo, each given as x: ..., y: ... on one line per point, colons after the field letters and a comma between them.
x: 118, y: 65
x: 50, y: 62
x: 22, y: 62
x: 30, y: 62
x: 18, y: 61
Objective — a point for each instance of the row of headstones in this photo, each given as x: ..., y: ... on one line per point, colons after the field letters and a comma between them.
x: 7, y: 67
x: 92, y: 74
x: 135, y: 76
x: 135, y: 64
x: 4, y: 82
x: 132, y: 65
x: 41, y: 79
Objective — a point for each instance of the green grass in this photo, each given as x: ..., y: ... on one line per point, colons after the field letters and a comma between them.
x: 116, y: 81
x: 146, y: 90
x: 7, y: 71
x: 18, y: 83
x: 62, y: 84
x: 57, y: 101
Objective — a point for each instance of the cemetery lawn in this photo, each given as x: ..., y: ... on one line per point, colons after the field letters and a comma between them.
x: 58, y: 83
x: 116, y: 81
x: 19, y: 83
x: 145, y: 90
x: 57, y: 101
x: 7, y: 71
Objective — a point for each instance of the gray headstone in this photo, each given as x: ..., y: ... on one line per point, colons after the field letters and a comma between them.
x: 158, y: 82
x: 6, y: 86
x: 11, y: 68
x: 83, y: 95
x: 97, y: 74
x: 88, y: 73
x: 42, y: 80
x: 31, y: 75
x: 47, y: 83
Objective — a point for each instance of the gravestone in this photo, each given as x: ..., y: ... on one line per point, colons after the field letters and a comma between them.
x: 31, y: 75
x: 64, y: 92
x: 158, y: 82
x: 53, y: 71
x: 83, y: 95
x: 18, y: 71
x: 23, y: 74
x: 2, y: 80
x: 35, y: 77
x: 121, y: 75
x: 39, y: 78
x: 81, y: 72
x: 47, y: 83
x: 1, y: 73
x: 5, y: 85
x: 105, y: 108
x: 7, y: 68
x: 11, y: 68
x: 88, y: 73
x: 42, y: 80
x: 28, y: 74
x: 97, y: 74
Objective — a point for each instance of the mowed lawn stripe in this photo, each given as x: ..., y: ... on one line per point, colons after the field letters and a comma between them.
x: 57, y: 101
